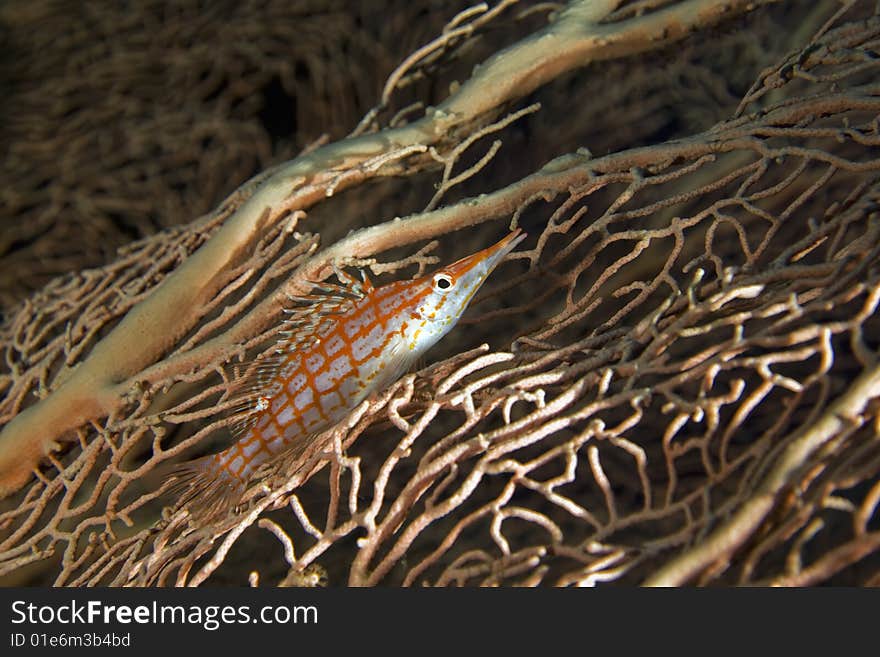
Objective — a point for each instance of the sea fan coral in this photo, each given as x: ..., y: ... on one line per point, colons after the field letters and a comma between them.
x: 674, y: 380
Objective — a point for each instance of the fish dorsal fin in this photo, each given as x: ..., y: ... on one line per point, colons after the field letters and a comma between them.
x: 307, y: 318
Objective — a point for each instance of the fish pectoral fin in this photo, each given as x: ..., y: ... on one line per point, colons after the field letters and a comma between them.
x: 207, y: 491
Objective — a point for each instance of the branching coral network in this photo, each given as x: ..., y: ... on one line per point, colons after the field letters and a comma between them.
x: 673, y: 381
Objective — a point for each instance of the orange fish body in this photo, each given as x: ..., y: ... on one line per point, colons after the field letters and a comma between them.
x: 346, y: 341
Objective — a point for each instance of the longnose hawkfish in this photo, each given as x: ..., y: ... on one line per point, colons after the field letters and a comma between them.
x: 345, y: 341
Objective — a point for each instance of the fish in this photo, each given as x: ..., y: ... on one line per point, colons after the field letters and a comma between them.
x: 344, y: 341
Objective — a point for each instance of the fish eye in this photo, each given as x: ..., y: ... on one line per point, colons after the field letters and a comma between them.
x: 442, y: 281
